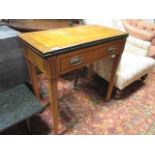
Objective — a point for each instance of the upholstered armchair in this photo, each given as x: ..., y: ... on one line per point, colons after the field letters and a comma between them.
x: 134, y: 63
x: 143, y: 30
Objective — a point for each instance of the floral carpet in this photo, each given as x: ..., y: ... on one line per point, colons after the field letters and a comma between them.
x: 84, y: 111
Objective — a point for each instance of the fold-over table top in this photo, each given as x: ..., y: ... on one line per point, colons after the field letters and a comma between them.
x: 57, y: 41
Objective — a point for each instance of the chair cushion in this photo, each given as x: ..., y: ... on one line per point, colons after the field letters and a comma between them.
x: 17, y: 104
x: 131, y: 68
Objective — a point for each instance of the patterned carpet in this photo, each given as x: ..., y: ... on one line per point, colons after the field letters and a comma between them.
x: 84, y: 111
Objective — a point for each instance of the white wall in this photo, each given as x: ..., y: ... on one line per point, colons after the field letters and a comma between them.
x: 150, y: 20
x: 105, y: 22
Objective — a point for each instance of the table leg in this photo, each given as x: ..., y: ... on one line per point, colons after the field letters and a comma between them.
x: 76, y: 77
x: 90, y: 72
x: 53, y: 97
x: 33, y: 75
x: 112, y: 77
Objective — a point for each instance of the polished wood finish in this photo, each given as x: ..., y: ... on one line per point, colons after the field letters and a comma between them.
x: 52, y: 41
x: 112, y: 77
x: 92, y: 43
x: 53, y: 96
x: 37, y: 60
x: 90, y: 73
x: 88, y: 55
x: 26, y: 25
x: 33, y: 77
x: 117, y: 58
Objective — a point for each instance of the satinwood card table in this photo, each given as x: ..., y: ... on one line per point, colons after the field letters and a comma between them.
x: 55, y: 52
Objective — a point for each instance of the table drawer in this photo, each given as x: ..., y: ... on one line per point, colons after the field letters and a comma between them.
x: 84, y: 56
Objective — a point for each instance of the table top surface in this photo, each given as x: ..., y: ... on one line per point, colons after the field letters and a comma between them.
x: 56, y: 41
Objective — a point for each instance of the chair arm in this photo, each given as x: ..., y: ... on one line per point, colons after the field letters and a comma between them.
x: 137, y: 46
x: 139, y: 43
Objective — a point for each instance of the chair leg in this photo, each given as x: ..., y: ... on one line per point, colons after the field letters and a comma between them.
x: 27, y: 121
x: 144, y: 77
x: 90, y: 73
x: 76, y: 77
x: 118, y: 94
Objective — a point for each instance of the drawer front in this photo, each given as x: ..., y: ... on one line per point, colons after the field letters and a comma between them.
x: 88, y: 55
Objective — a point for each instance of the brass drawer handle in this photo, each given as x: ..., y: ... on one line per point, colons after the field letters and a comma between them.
x: 111, y: 50
x: 76, y: 60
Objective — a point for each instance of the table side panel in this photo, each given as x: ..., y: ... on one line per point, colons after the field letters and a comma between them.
x: 89, y: 55
x: 38, y: 61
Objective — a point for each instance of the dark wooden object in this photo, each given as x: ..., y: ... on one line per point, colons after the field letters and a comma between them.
x: 56, y: 52
x: 25, y: 25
